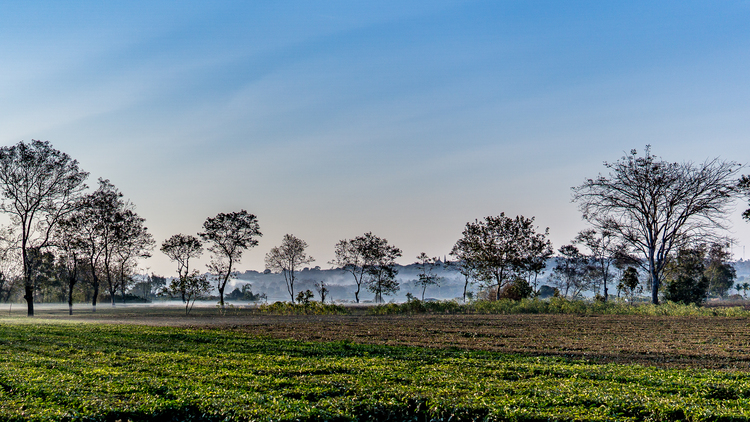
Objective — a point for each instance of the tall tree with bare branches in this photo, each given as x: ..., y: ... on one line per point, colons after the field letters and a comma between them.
x: 658, y: 207
x: 181, y: 248
x: 287, y: 258
x: 39, y: 186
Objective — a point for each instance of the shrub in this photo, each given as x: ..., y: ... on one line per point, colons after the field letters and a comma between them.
x: 310, y: 308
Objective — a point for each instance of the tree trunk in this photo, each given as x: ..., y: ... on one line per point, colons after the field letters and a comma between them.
x: 96, y: 293
x: 28, y: 287
x: 29, y: 296
x: 654, y: 279
x: 654, y: 287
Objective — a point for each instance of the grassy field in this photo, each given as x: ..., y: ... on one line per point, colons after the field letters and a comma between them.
x: 362, y: 367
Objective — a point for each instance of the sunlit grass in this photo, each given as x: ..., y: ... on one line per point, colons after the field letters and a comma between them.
x: 106, y: 372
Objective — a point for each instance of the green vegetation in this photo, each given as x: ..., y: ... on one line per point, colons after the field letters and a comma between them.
x: 305, y: 308
x: 103, y: 372
x: 555, y: 305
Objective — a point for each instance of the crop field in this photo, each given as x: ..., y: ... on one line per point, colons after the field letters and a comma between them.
x: 245, y: 366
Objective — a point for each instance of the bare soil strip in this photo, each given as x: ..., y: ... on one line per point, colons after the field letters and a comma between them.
x: 697, y: 342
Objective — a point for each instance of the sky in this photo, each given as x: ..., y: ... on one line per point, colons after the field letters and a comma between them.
x: 330, y: 119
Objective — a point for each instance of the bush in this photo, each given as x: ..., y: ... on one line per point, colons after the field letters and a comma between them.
x: 310, y: 308
x: 516, y: 290
x: 554, y: 305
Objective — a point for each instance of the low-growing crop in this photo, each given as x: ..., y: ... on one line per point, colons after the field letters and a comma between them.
x: 308, y: 308
x: 555, y: 305
x: 107, y: 372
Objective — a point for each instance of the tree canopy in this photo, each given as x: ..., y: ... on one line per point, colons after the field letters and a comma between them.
x: 39, y: 186
x: 228, y: 236
x: 657, y: 207
x: 287, y: 258
x: 500, y: 249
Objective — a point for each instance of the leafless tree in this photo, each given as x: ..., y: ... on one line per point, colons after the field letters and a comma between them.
x: 744, y: 187
x: 427, y: 275
x: 134, y: 242
x: 181, y: 248
x: 658, y: 207
x: 287, y: 258
x: 603, y: 246
x: 39, y: 186
x: 228, y: 235
x: 573, y: 272
x: 350, y: 256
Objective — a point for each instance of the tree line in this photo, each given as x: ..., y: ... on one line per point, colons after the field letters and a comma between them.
x: 648, y: 217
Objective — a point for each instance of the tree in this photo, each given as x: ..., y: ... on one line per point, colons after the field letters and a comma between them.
x: 133, y: 241
x: 744, y: 188
x: 499, y: 249
x: 350, y: 256
x: 287, y: 258
x: 228, y: 236
x: 427, y: 276
x: 629, y: 283
x: 380, y: 267
x: 72, y: 249
x: 603, y: 247
x: 320, y: 287
x: 744, y: 287
x: 303, y: 298
x: 39, y: 186
x: 573, y: 272
x: 42, y: 270
x: 685, y: 279
x: 719, y: 270
x: 657, y: 207
x: 9, y: 263
x: 193, y: 286
x: 466, y: 270
x: 181, y: 248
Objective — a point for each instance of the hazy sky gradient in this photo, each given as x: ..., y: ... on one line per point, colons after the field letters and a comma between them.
x: 408, y: 119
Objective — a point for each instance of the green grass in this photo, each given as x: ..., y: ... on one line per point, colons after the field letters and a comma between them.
x: 555, y: 305
x: 111, y: 372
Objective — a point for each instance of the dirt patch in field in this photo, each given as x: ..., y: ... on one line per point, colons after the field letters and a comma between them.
x: 700, y: 342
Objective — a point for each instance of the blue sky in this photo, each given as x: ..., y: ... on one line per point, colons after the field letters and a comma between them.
x: 408, y: 119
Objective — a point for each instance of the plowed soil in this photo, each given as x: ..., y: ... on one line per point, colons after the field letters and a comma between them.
x: 698, y: 342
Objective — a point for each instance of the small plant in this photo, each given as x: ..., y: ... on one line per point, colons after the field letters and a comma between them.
x: 303, y: 298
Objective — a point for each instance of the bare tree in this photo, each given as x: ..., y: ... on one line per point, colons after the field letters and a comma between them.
x: 134, y: 242
x: 10, y: 262
x: 427, y: 275
x: 287, y: 258
x: 572, y: 273
x: 39, y: 186
x: 352, y: 256
x: 72, y: 251
x: 500, y: 249
x: 228, y: 235
x: 657, y: 207
x: 181, y: 248
x: 603, y: 246
x: 466, y: 270
x: 744, y: 188
x: 320, y: 287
